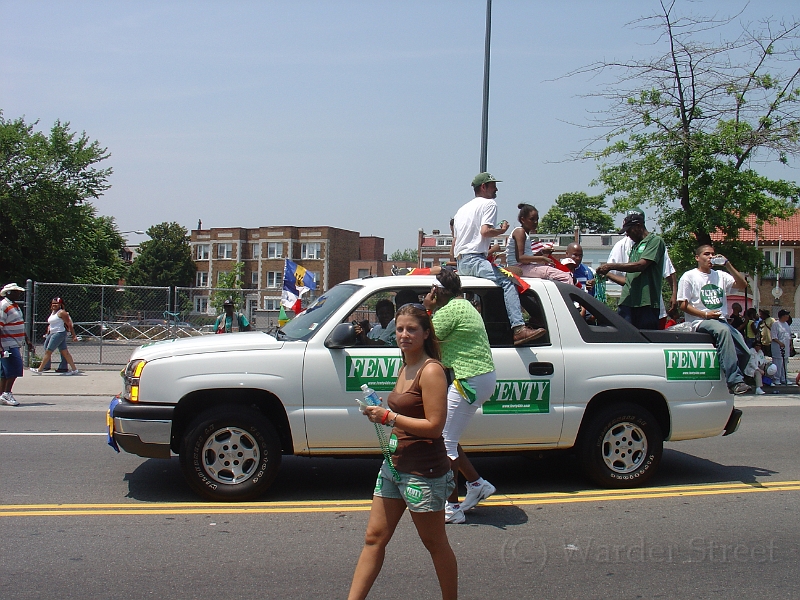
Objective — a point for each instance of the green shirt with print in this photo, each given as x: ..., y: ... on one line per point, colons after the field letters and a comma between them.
x: 644, y: 288
x: 463, y: 340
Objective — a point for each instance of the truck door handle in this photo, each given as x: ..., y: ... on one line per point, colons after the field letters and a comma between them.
x: 541, y: 368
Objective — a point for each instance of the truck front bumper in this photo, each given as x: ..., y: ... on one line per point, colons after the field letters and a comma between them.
x: 141, y: 429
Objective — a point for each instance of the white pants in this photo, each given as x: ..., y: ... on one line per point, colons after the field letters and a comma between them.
x: 460, y: 412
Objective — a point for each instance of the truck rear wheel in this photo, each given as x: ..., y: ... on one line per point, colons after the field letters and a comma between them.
x: 621, y: 446
x: 230, y: 454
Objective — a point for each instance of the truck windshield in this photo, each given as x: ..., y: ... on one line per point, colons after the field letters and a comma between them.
x: 305, y: 324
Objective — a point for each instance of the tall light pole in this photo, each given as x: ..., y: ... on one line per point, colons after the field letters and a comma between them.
x: 485, y: 118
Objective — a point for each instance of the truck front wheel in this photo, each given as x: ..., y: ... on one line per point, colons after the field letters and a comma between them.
x: 230, y: 454
x: 621, y: 446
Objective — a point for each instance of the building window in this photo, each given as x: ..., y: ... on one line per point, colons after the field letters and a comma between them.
x: 427, y: 264
x: 275, y: 250
x: 254, y: 278
x: 363, y: 273
x: 224, y: 250
x: 220, y: 275
x: 255, y: 250
x: 444, y: 242
x: 313, y: 250
x: 272, y: 303
x: 274, y: 279
x: 202, y: 251
x: 202, y: 279
x: 789, y: 258
x: 315, y: 275
x: 201, y: 304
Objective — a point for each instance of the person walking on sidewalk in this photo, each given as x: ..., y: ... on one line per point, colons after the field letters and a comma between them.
x: 465, y: 349
x: 474, y: 227
x: 59, y: 324
x: 12, y: 338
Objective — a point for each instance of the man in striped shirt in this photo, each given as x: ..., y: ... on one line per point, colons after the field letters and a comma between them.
x: 12, y: 338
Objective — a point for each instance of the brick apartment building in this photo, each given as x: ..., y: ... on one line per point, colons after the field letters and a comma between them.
x: 326, y: 252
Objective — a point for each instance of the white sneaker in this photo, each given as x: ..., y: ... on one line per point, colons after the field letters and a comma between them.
x: 477, y: 492
x: 453, y: 514
x: 759, y: 391
x: 75, y: 372
x: 8, y: 399
x: 35, y: 371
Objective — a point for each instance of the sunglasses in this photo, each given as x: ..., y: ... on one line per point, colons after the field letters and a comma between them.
x: 415, y: 305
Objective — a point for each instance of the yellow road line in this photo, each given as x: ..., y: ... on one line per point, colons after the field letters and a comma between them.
x: 322, y: 506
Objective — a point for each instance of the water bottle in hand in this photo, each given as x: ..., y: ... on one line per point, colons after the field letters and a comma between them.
x: 370, y: 396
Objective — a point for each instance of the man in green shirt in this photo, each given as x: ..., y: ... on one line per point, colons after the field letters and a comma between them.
x: 640, y: 299
x: 229, y: 321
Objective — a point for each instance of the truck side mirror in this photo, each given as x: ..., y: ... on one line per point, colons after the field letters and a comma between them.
x: 342, y: 336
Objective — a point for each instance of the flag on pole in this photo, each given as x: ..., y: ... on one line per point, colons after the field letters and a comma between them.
x: 282, y: 318
x: 296, y: 282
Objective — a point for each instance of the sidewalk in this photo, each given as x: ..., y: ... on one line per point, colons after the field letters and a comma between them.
x: 93, y: 382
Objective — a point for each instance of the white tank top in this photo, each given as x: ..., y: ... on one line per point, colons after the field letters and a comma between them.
x: 511, y: 248
x: 56, y: 323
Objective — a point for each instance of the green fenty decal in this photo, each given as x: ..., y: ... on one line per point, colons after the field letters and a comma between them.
x: 691, y: 364
x: 512, y: 396
x: 378, y: 372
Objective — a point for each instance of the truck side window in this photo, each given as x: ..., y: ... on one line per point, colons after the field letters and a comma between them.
x: 491, y: 304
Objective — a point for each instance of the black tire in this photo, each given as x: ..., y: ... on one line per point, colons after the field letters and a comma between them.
x: 230, y: 454
x: 621, y: 446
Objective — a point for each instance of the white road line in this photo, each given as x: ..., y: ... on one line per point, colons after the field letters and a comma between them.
x: 49, y: 433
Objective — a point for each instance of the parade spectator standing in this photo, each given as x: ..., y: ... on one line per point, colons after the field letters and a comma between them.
x: 474, y: 227
x: 230, y: 321
x: 781, y: 340
x: 465, y: 349
x: 736, y: 319
x: 701, y: 294
x: 59, y: 324
x: 756, y: 367
x: 640, y: 300
x: 419, y: 477
x: 751, y: 328
x: 12, y: 339
x: 765, y: 329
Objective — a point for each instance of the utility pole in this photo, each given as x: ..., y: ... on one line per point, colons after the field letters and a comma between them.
x: 485, y: 118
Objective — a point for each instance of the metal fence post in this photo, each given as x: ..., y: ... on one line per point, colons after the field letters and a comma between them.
x: 28, y: 319
x: 102, y: 320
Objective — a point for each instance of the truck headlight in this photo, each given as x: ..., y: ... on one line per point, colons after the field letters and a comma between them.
x: 132, y: 374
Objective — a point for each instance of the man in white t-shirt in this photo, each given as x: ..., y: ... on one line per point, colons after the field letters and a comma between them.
x: 473, y: 229
x: 701, y: 295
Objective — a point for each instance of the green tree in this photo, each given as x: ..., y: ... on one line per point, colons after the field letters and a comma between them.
x: 407, y: 255
x: 98, y: 250
x: 577, y: 209
x: 44, y: 182
x: 165, y: 259
x: 687, y: 127
x: 230, y: 285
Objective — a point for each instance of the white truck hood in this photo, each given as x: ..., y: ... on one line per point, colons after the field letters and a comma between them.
x: 227, y: 342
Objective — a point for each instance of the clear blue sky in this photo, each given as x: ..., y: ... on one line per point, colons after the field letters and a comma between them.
x: 358, y: 114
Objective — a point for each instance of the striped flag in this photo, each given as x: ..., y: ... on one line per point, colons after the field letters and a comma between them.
x: 296, y: 282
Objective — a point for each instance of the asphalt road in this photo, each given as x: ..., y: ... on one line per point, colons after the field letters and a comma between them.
x: 80, y: 521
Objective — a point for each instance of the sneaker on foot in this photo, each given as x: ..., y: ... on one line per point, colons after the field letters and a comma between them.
x: 526, y: 334
x: 453, y: 513
x: 759, y: 391
x: 740, y: 388
x: 61, y: 370
x: 75, y: 372
x: 477, y: 492
x: 35, y: 371
x: 8, y: 399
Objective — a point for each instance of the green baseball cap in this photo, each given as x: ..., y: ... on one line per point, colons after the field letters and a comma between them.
x: 482, y: 178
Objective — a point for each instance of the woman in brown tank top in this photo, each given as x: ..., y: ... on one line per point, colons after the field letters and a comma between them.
x: 417, y: 412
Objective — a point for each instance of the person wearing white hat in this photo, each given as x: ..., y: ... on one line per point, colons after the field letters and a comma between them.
x: 12, y: 338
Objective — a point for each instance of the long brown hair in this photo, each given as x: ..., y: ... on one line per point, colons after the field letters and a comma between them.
x: 418, y: 312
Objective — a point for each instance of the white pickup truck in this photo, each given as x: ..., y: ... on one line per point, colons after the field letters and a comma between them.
x: 231, y: 405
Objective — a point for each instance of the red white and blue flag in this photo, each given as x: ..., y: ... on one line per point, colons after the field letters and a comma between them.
x: 296, y: 282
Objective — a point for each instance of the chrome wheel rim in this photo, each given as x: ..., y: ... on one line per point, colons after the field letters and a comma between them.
x: 624, y: 447
x: 230, y: 455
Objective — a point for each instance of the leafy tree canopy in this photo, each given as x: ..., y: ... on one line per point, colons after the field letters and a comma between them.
x: 408, y: 255
x: 577, y: 209
x: 165, y: 259
x: 687, y: 128
x: 47, y: 231
x: 230, y: 285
